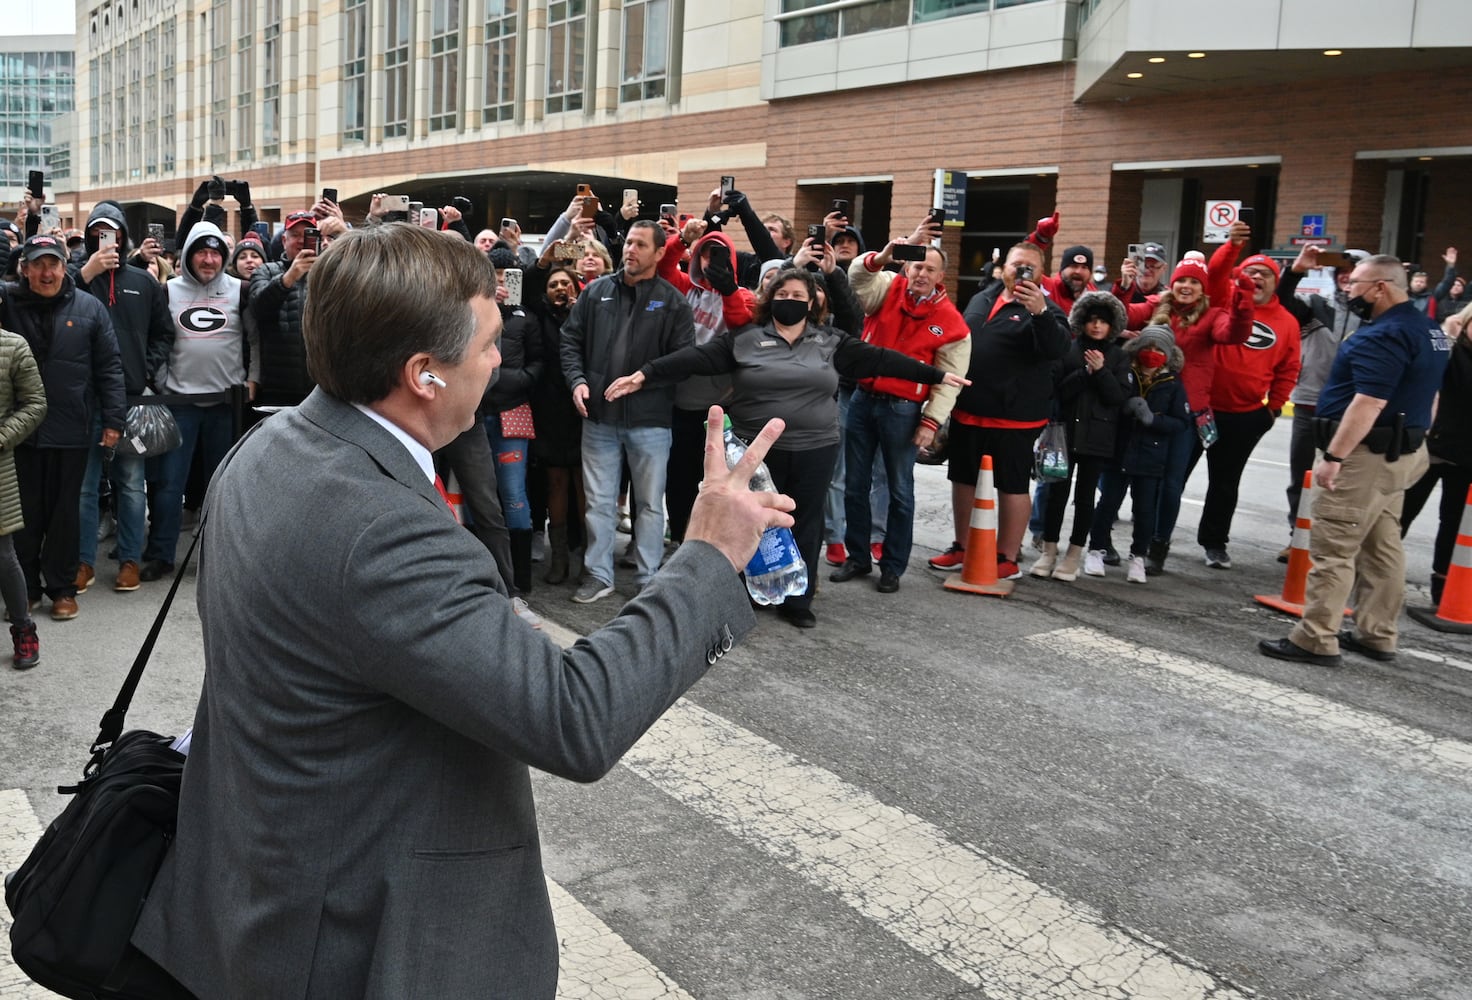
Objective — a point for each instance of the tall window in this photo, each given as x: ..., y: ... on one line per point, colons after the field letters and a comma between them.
x: 500, y: 102
x: 355, y: 71
x: 245, y: 85
x: 567, y: 53
x: 646, y: 49
x: 397, y: 95
x: 150, y: 102
x: 168, y: 91
x: 220, y: 82
x: 94, y: 88
x: 271, y: 84
x: 444, y: 64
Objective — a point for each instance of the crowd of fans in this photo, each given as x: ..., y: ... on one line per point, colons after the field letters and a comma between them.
x: 622, y: 330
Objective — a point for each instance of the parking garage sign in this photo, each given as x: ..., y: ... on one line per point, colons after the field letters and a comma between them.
x: 1219, y: 218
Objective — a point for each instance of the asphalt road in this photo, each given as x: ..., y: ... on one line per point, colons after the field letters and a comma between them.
x: 1084, y: 790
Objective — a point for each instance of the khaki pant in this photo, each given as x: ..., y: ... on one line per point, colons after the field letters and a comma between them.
x: 1356, y: 549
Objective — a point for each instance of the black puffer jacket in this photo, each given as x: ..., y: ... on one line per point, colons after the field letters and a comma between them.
x: 136, y: 303
x: 521, y: 361
x: 1088, y: 401
x: 615, y: 329
x: 277, y: 311
x: 71, y: 336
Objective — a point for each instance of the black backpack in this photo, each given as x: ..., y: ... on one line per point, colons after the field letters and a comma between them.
x: 78, y: 895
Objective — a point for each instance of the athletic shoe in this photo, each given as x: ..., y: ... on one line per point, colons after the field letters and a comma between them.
x: 1136, y: 572
x: 525, y: 613
x: 835, y: 554
x: 1218, y: 559
x: 950, y: 560
x: 1111, y: 556
x: 876, y: 551
x: 592, y: 590
x: 85, y: 576
x: 1008, y: 569
x: 1094, y: 563
x: 1283, y: 555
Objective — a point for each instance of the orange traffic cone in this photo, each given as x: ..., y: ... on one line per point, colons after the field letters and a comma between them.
x: 979, y: 571
x: 1295, y: 581
x: 455, y: 498
x: 1454, y: 614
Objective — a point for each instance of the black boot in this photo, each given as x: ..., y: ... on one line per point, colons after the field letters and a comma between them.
x: 521, y: 560
x: 1155, y: 557
x: 557, y: 554
x: 1438, y: 581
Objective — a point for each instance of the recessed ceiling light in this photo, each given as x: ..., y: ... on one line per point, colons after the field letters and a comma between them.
x: 1425, y: 157
x: 1195, y: 55
x: 1157, y: 59
x: 1134, y: 76
x: 1253, y: 166
x: 1333, y: 52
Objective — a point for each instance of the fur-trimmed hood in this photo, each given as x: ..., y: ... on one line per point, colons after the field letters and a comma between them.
x: 1090, y: 304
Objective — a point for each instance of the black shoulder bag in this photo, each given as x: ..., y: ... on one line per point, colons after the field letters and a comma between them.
x: 78, y: 895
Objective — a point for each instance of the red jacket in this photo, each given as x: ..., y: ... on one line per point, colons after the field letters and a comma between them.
x: 1060, y: 293
x: 1201, y: 341
x: 1267, y: 363
x: 917, y: 329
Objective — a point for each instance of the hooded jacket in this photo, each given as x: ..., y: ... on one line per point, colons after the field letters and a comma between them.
x: 521, y: 361
x: 1146, y: 450
x: 714, y: 313
x: 135, y: 302
x: 76, y: 352
x: 1012, y: 357
x: 1089, y: 401
x: 613, y: 330
x: 209, y: 353
x: 277, y: 312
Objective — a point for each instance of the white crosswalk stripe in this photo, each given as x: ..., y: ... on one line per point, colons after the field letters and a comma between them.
x: 1369, y: 731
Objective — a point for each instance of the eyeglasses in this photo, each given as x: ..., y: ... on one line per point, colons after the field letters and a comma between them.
x: 1365, y: 281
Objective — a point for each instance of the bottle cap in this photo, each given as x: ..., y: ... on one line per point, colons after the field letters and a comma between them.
x: 726, y: 422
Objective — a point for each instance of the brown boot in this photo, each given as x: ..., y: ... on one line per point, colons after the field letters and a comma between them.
x: 557, y: 555
x: 85, y: 576
x: 127, y: 577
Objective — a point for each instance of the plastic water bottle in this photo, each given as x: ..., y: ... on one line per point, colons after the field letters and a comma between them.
x: 777, y: 571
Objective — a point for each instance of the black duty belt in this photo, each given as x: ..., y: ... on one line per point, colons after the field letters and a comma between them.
x: 1391, y: 440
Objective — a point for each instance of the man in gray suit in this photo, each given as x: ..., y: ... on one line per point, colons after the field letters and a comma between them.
x: 356, y: 817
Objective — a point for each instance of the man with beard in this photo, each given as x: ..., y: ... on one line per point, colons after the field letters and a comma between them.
x: 556, y: 450
x: 1075, y: 276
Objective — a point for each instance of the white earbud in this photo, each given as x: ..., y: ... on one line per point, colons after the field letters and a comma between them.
x: 430, y: 378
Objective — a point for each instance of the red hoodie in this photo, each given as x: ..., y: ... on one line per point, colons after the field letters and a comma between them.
x: 1267, y: 363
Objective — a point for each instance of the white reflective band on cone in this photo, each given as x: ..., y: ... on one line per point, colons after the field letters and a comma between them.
x: 1462, y: 554
x: 983, y: 518
x: 1300, y: 537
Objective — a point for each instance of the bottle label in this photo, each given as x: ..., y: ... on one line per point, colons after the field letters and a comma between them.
x: 776, y: 553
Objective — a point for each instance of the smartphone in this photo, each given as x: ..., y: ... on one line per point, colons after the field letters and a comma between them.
x: 396, y: 203
x: 569, y: 251
x: 1136, y: 252
x: 261, y: 229
x: 667, y: 211
x: 50, y: 218
x: 818, y: 234
x: 584, y: 190
x: 329, y: 194
x: 106, y: 239
x: 728, y: 184
x: 840, y: 205
x: 1025, y: 272
x: 217, y: 189
x: 631, y: 197
x: 415, y: 207
x: 1244, y: 214
x: 938, y: 216
x: 429, y: 218
x: 312, y: 239
x: 908, y: 252
x: 508, y: 223
x: 512, y: 277
x: 156, y: 232
x: 590, y: 206
x: 36, y: 181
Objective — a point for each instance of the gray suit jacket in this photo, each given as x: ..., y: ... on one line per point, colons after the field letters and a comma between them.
x: 357, y: 815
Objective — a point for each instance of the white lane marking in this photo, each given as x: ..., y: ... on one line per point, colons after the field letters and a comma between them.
x: 974, y: 915
x: 19, y: 831
x: 597, y: 964
x: 1193, y: 503
x: 1378, y: 734
x: 1449, y: 661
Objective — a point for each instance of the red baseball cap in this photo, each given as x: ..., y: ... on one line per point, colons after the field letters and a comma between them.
x: 300, y: 219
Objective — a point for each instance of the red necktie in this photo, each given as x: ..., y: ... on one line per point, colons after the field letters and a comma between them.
x: 439, y: 486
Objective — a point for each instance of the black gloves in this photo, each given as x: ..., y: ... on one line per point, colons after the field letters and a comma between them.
x: 735, y: 201
x: 239, y: 190
x: 1140, y: 410
x: 201, y: 195
x: 719, y: 272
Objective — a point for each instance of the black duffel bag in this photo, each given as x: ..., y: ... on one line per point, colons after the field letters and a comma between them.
x: 77, y: 897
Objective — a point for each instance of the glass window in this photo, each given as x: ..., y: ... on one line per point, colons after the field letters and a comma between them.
x: 813, y: 28
x: 567, y: 41
x: 444, y: 65
x: 355, y: 71
x: 646, y: 50
x: 396, y: 94
x: 245, y: 85
x: 500, y: 69
x: 875, y: 16
x: 933, y: 10
x: 272, y: 41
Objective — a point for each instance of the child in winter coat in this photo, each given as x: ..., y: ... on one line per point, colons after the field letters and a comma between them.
x: 1153, y: 415
x: 1090, y: 384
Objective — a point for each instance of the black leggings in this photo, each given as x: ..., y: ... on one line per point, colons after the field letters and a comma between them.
x: 1085, y: 471
x: 804, y: 476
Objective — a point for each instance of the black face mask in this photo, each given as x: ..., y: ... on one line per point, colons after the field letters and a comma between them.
x: 789, y: 312
x: 1359, y: 307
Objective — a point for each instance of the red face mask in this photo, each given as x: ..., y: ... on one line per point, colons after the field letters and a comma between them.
x: 1151, y: 358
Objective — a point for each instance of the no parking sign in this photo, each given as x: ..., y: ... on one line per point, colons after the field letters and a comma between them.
x: 1219, y: 217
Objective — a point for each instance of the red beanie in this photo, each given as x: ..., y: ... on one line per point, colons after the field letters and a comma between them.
x: 1189, y: 269
x: 1263, y: 260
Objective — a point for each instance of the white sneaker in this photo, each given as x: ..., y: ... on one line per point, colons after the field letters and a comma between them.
x: 1094, y: 563
x: 1137, y: 570
x: 525, y: 613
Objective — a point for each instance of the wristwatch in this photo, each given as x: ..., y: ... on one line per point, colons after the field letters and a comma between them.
x: 1333, y: 458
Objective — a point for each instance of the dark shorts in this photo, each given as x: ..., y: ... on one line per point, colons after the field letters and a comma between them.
x: 1010, y: 449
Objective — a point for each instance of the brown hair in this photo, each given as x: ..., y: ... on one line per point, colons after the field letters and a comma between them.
x: 762, y: 313
x: 1164, y: 310
x: 380, y: 295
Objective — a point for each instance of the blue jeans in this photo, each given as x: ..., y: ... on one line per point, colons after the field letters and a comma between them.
x: 884, y: 425
x: 647, y: 449
x: 510, y: 475
x: 126, y: 474
x: 1173, y: 483
x: 834, y: 520
x: 213, y: 426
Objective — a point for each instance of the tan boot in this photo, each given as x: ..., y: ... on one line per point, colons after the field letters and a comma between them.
x: 1046, y: 561
x: 1068, y: 569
